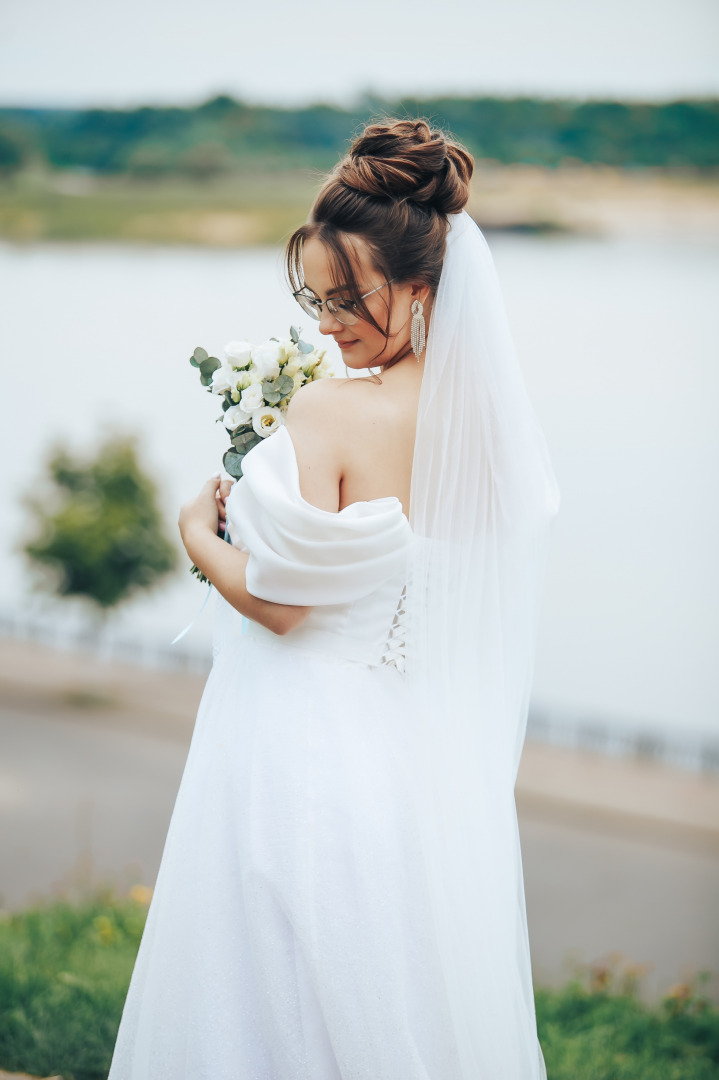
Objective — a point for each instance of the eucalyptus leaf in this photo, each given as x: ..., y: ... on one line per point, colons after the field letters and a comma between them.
x: 294, y: 334
x: 209, y: 364
x: 193, y: 361
x: 200, y: 354
x: 245, y: 439
x: 273, y: 396
x: 206, y: 379
x: 305, y: 347
x: 226, y: 405
x: 232, y: 463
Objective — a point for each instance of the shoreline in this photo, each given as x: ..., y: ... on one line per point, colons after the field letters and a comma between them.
x: 250, y: 210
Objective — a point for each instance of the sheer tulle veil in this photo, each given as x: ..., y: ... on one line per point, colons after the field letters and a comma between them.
x: 482, y: 499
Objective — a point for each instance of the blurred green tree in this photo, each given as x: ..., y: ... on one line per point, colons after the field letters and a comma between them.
x: 205, y: 140
x: 100, y: 533
x: 205, y: 161
x: 150, y: 160
x: 12, y: 153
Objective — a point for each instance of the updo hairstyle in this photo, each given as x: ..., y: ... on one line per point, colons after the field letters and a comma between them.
x: 394, y: 189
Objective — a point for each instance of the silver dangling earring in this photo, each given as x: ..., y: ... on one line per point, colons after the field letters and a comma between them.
x: 417, y: 330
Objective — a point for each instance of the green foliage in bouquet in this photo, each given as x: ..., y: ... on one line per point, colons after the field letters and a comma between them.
x: 100, y: 533
x: 272, y: 373
x: 256, y: 383
x: 206, y: 364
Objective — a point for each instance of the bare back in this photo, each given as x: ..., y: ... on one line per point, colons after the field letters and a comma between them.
x: 354, y: 438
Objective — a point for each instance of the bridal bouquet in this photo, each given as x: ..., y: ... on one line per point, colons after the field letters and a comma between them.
x: 256, y: 383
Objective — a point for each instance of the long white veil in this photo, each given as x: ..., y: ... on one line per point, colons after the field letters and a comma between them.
x: 483, y: 495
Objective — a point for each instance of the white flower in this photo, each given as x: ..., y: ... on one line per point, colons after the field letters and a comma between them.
x: 238, y: 353
x: 311, y: 360
x: 322, y: 371
x: 267, y: 420
x: 222, y: 379
x: 252, y: 398
x: 266, y: 359
x: 235, y: 416
x: 298, y: 378
x: 289, y: 352
x: 293, y: 365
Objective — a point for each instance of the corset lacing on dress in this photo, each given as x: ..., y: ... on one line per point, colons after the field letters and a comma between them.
x: 394, y: 649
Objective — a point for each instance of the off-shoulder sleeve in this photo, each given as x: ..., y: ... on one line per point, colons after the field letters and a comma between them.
x: 300, y: 554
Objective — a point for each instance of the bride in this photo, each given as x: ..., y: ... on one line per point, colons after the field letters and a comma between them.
x: 341, y: 894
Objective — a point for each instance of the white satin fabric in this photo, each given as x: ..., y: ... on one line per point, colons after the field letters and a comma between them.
x: 350, y: 566
x: 290, y: 935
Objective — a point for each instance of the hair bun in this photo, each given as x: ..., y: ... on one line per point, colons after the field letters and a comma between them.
x: 408, y: 160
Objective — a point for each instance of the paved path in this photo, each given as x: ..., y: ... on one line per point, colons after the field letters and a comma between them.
x: 619, y: 856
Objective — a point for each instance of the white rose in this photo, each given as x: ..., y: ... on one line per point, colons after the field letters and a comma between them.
x: 222, y: 380
x: 266, y: 359
x: 252, y: 398
x: 235, y: 416
x: 267, y: 420
x: 238, y: 353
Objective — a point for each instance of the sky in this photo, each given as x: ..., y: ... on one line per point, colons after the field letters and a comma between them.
x: 87, y: 52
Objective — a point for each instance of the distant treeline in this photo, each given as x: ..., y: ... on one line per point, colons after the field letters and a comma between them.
x: 223, y: 134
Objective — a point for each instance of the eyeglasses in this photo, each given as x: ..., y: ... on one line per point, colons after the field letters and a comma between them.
x: 345, y: 311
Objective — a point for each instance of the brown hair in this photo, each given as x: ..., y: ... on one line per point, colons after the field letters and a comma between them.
x: 394, y: 189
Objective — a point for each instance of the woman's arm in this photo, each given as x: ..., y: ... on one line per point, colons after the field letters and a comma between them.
x: 224, y: 565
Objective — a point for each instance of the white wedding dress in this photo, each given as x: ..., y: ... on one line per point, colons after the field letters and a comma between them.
x: 290, y: 935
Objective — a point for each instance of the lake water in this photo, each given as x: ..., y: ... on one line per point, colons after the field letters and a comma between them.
x: 618, y: 341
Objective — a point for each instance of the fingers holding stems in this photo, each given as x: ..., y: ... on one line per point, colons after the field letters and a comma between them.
x: 207, y: 509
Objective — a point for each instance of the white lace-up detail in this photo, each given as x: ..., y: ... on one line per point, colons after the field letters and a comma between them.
x: 394, y: 649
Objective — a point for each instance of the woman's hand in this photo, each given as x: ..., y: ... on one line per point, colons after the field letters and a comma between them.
x: 206, y: 512
x: 201, y: 513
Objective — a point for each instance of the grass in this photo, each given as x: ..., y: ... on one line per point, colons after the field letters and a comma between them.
x: 64, y: 973
x: 606, y: 1033
x: 65, y: 968
x: 244, y: 210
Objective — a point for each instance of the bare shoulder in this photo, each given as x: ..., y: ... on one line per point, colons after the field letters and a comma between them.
x: 352, y: 438
x: 313, y: 400
x: 314, y: 421
x: 337, y: 412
